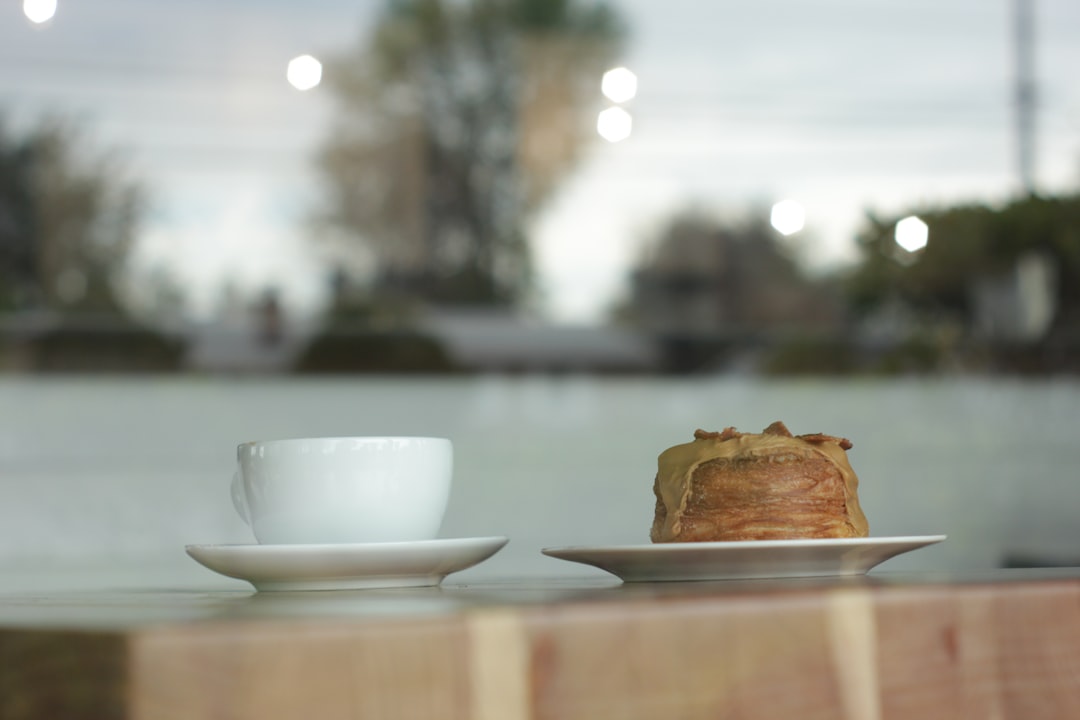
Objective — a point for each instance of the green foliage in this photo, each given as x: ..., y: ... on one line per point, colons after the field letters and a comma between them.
x: 66, y: 223
x: 967, y: 243
x: 566, y: 16
x: 396, y: 352
x: 120, y: 347
x: 810, y: 355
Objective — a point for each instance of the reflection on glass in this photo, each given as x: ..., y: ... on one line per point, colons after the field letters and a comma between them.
x: 788, y: 217
x: 912, y: 234
x: 614, y: 124
x: 304, y: 72
x: 448, y: 180
x: 39, y: 11
x: 619, y: 85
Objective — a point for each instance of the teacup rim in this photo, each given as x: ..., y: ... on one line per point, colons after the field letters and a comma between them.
x: 317, y: 438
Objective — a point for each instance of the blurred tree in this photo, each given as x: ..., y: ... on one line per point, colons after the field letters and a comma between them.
x: 66, y: 224
x: 716, y: 292
x: 456, y: 122
x: 973, y: 249
x: 702, y: 275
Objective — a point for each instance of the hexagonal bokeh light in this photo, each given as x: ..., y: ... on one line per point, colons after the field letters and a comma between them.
x: 912, y: 234
x: 39, y: 11
x: 614, y: 124
x: 787, y: 217
x: 619, y: 85
x: 304, y: 72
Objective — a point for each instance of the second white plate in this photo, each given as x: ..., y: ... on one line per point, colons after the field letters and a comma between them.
x: 675, y: 562
x: 346, y: 567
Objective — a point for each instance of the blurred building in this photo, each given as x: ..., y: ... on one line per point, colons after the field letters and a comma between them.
x: 708, y: 290
x: 707, y: 278
x: 1017, y: 305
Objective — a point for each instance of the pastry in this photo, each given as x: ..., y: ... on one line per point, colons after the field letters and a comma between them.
x: 748, y: 486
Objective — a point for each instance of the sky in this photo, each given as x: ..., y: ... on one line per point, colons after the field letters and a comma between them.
x: 845, y: 106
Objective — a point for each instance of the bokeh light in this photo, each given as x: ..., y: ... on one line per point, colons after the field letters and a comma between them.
x: 619, y: 85
x: 912, y: 234
x: 614, y: 124
x: 39, y: 11
x: 304, y: 72
x: 788, y: 217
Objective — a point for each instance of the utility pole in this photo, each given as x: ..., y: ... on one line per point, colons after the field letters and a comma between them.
x: 1024, y: 27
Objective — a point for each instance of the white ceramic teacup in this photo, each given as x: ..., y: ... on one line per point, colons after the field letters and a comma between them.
x: 343, y: 489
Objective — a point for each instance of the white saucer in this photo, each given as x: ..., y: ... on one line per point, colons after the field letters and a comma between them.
x: 346, y: 567
x: 670, y: 562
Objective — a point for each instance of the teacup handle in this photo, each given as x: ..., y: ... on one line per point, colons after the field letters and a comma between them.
x: 238, y: 500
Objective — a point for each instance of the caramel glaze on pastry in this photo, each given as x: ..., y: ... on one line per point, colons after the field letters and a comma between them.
x: 747, y: 486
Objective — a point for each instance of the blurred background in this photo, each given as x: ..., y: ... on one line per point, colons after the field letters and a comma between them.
x: 563, y: 233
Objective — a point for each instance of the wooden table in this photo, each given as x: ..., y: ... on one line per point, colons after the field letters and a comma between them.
x: 997, y: 645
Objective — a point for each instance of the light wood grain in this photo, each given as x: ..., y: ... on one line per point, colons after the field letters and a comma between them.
x: 853, y: 651
x: 411, y: 669
x: 499, y: 665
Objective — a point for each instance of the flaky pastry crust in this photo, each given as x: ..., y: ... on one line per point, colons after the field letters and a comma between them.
x: 771, y: 485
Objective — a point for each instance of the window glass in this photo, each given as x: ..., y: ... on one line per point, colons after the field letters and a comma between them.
x: 264, y: 185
